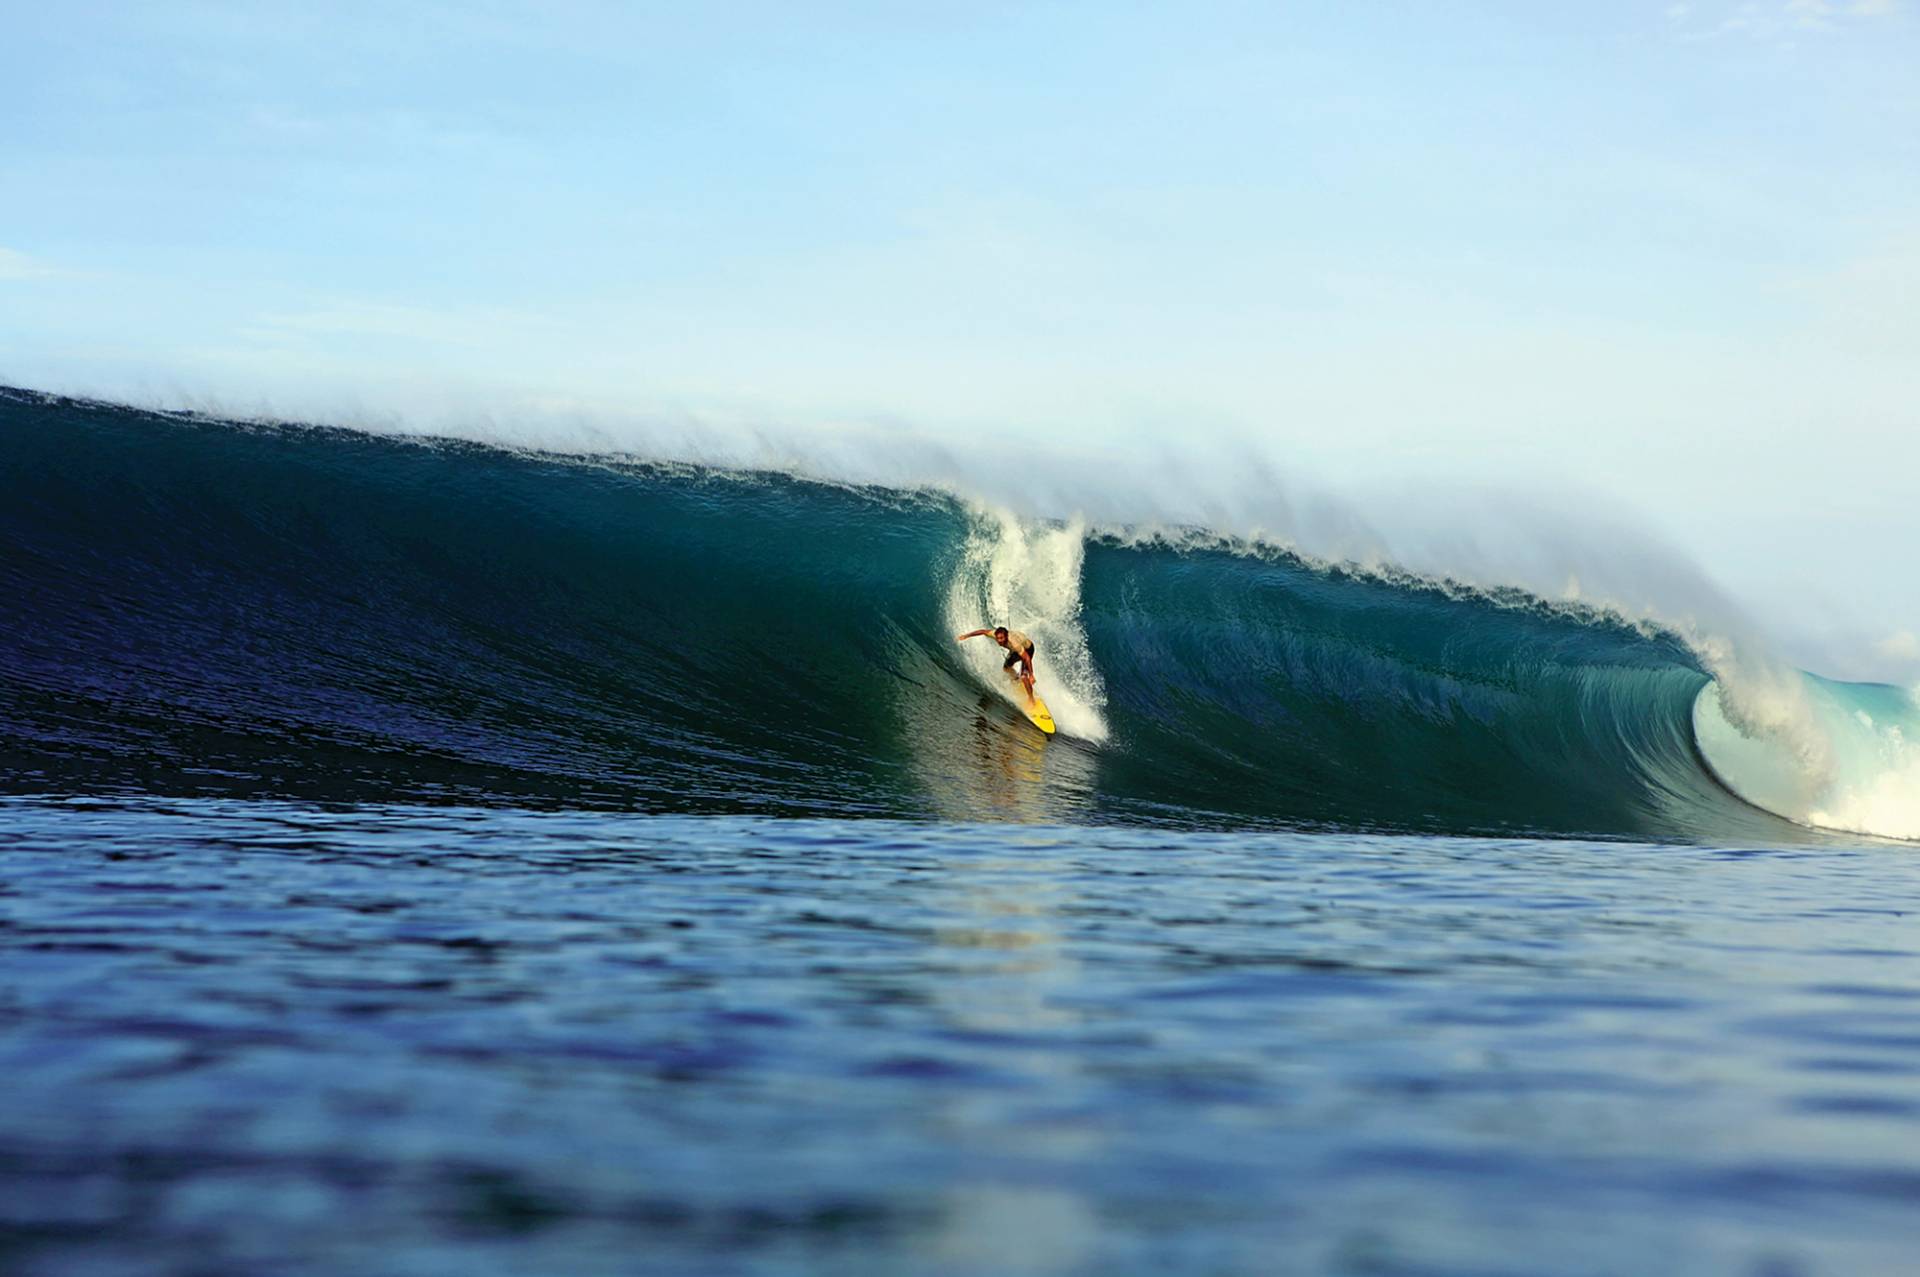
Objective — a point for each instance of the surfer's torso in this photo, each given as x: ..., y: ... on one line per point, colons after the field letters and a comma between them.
x: 1019, y: 648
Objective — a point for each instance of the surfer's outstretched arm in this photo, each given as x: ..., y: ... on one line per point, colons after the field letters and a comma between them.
x: 961, y: 638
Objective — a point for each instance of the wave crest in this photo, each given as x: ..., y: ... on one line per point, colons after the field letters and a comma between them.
x: 328, y: 614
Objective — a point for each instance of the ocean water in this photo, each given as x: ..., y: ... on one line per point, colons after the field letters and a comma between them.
x: 259, y: 1036
x: 422, y: 857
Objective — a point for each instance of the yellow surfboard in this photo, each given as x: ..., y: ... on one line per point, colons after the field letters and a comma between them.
x: 1037, y: 713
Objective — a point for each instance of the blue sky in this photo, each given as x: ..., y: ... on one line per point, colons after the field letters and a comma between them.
x: 1667, y: 254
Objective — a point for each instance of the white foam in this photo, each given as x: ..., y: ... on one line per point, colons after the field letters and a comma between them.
x: 1864, y: 779
x: 1879, y: 791
x: 1026, y: 575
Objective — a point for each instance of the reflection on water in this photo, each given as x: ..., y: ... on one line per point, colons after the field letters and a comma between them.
x: 998, y: 907
x: 986, y: 762
x: 995, y: 1229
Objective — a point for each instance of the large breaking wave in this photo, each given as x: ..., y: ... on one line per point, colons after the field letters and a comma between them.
x: 212, y: 607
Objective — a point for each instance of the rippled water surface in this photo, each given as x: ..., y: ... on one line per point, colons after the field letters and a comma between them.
x: 259, y: 1037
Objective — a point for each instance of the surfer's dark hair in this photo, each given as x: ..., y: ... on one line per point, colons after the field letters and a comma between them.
x: 998, y: 630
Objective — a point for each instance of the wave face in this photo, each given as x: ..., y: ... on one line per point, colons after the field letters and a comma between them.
x: 198, y: 607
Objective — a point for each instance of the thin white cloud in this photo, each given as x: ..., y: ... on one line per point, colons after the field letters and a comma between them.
x: 480, y: 326
x: 405, y: 130
x: 1869, y: 303
x: 1902, y: 645
x: 18, y: 266
x: 1777, y: 20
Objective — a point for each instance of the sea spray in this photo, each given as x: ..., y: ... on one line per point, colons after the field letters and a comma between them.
x: 1027, y: 577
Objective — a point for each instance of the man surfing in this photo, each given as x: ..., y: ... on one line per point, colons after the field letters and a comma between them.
x: 1019, y: 652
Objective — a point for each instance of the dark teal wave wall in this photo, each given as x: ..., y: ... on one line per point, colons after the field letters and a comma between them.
x: 208, y: 607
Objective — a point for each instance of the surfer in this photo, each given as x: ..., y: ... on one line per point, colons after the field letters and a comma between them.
x: 1019, y: 652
